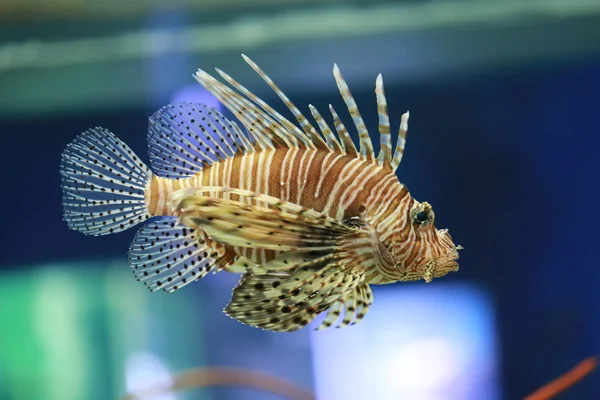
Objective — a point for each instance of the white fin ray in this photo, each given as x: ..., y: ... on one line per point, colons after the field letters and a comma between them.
x: 289, y: 133
x: 333, y: 314
x: 366, y: 147
x: 385, y: 147
x: 355, y: 305
x: 248, y: 147
x: 323, y: 259
x: 103, y: 184
x: 364, y: 301
x: 233, y: 102
x: 169, y: 256
x: 349, y: 309
x: 330, y: 139
x: 252, y: 117
x: 345, y: 138
x: 183, y: 137
x: 399, y: 151
x: 270, y: 129
x: 306, y: 126
x: 253, y: 225
x: 287, y: 299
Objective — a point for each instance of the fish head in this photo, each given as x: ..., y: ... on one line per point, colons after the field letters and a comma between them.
x: 420, y: 250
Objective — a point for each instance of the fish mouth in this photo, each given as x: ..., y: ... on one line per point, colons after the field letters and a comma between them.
x: 451, y: 266
x: 451, y: 263
x: 451, y: 260
x: 441, y: 266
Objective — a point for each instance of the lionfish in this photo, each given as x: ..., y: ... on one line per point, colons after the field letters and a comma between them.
x: 307, y: 218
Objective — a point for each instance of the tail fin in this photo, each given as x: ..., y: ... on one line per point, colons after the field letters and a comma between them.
x: 103, y: 184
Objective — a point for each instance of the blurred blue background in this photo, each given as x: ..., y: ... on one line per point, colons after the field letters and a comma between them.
x: 503, y: 142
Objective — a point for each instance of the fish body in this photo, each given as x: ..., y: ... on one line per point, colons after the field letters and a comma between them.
x: 335, y: 184
x: 307, y: 218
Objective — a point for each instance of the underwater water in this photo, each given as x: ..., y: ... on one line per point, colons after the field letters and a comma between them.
x: 507, y: 154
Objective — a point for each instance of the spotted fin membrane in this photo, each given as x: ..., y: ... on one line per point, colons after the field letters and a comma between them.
x: 104, y: 191
x: 286, y: 300
x: 269, y: 129
x: 285, y: 226
x: 168, y: 256
x: 184, y: 137
x: 355, y: 305
x: 322, y: 265
x: 103, y: 184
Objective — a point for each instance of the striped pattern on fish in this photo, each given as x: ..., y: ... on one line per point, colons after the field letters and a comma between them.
x: 310, y: 220
x: 344, y: 183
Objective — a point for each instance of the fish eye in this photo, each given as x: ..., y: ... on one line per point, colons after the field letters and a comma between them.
x: 422, y: 216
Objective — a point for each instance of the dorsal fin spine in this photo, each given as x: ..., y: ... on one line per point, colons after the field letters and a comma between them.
x: 366, y: 147
x: 221, y: 92
x: 246, y: 112
x: 385, y: 152
x: 346, y: 140
x: 248, y: 148
x: 332, y: 142
x: 292, y: 130
x: 306, y: 126
x: 271, y: 116
x: 270, y: 130
x: 399, y: 152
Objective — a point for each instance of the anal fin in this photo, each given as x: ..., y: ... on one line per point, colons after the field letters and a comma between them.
x: 166, y: 255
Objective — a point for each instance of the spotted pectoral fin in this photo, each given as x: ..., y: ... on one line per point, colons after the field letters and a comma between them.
x: 168, y: 256
x: 241, y: 265
x: 290, y: 291
x: 267, y: 222
x: 355, y: 305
